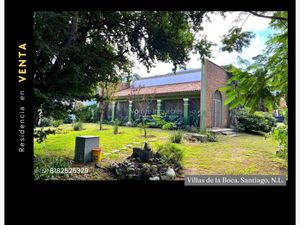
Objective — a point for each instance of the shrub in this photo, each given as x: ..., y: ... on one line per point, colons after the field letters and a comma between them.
x: 77, y: 126
x: 123, y: 121
x: 145, y: 120
x: 172, y: 153
x: 57, y: 123
x: 177, y: 119
x: 68, y: 120
x: 258, y: 121
x: 195, y: 118
x: 211, y: 137
x: 169, y: 126
x: 176, y: 137
x: 280, y: 134
x: 41, y: 134
x: 159, y: 121
x: 45, y: 122
x: 116, y: 126
x: 43, y: 168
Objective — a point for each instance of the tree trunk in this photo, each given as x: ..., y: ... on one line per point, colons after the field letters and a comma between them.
x: 102, y: 111
x: 101, y: 120
x: 101, y: 115
x: 36, y: 112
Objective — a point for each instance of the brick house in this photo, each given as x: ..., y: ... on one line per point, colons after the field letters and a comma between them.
x: 187, y: 93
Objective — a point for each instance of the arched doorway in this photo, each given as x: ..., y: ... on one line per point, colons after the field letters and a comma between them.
x: 217, y: 110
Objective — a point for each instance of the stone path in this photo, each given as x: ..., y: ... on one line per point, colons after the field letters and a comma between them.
x: 225, y: 131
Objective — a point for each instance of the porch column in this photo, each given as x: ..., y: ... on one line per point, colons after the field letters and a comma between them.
x: 113, y: 104
x: 186, y: 111
x: 158, y: 106
x: 129, y: 111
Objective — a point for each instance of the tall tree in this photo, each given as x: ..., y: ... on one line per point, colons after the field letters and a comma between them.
x: 74, y: 51
x: 264, y: 83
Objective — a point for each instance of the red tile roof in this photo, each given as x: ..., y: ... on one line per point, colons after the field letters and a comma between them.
x: 163, y: 89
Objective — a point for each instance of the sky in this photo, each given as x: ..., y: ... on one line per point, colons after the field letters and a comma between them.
x: 214, y: 31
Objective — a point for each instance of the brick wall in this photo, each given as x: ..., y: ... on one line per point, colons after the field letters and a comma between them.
x: 216, y: 78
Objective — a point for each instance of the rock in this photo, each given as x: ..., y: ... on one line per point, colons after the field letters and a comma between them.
x: 113, y: 165
x: 170, y: 172
x: 153, y: 169
x: 193, y: 137
x: 138, y: 171
x: 165, y: 178
x: 154, y: 178
x: 201, y: 137
x: 145, y: 156
x: 191, y: 129
x: 136, y: 152
x: 157, y: 155
x: 130, y: 170
x: 147, y: 146
x: 138, y: 159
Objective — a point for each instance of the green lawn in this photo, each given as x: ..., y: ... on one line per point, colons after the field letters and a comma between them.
x: 245, y: 154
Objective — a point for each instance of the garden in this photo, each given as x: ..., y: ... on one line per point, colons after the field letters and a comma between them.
x: 248, y: 152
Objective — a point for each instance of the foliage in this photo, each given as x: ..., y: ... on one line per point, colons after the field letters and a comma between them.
x: 45, y: 122
x: 236, y: 40
x: 163, y: 121
x: 169, y: 126
x: 280, y: 134
x: 116, y: 126
x: 166, y: 121
x: 68, y: 120
x: 87, y: 114
x: 57, y: 123
x: 212, y: 137
x: 171, y: 152
x: 259, y: 121
x: 262, y: 84
x: 41, y: 134
x: 176, y: 136
x: 195, y: 118
x: 75, y: 50
x: 78, y: 126
x: 43, y: 168
x: 159, y: 121
x: 177, y: 119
